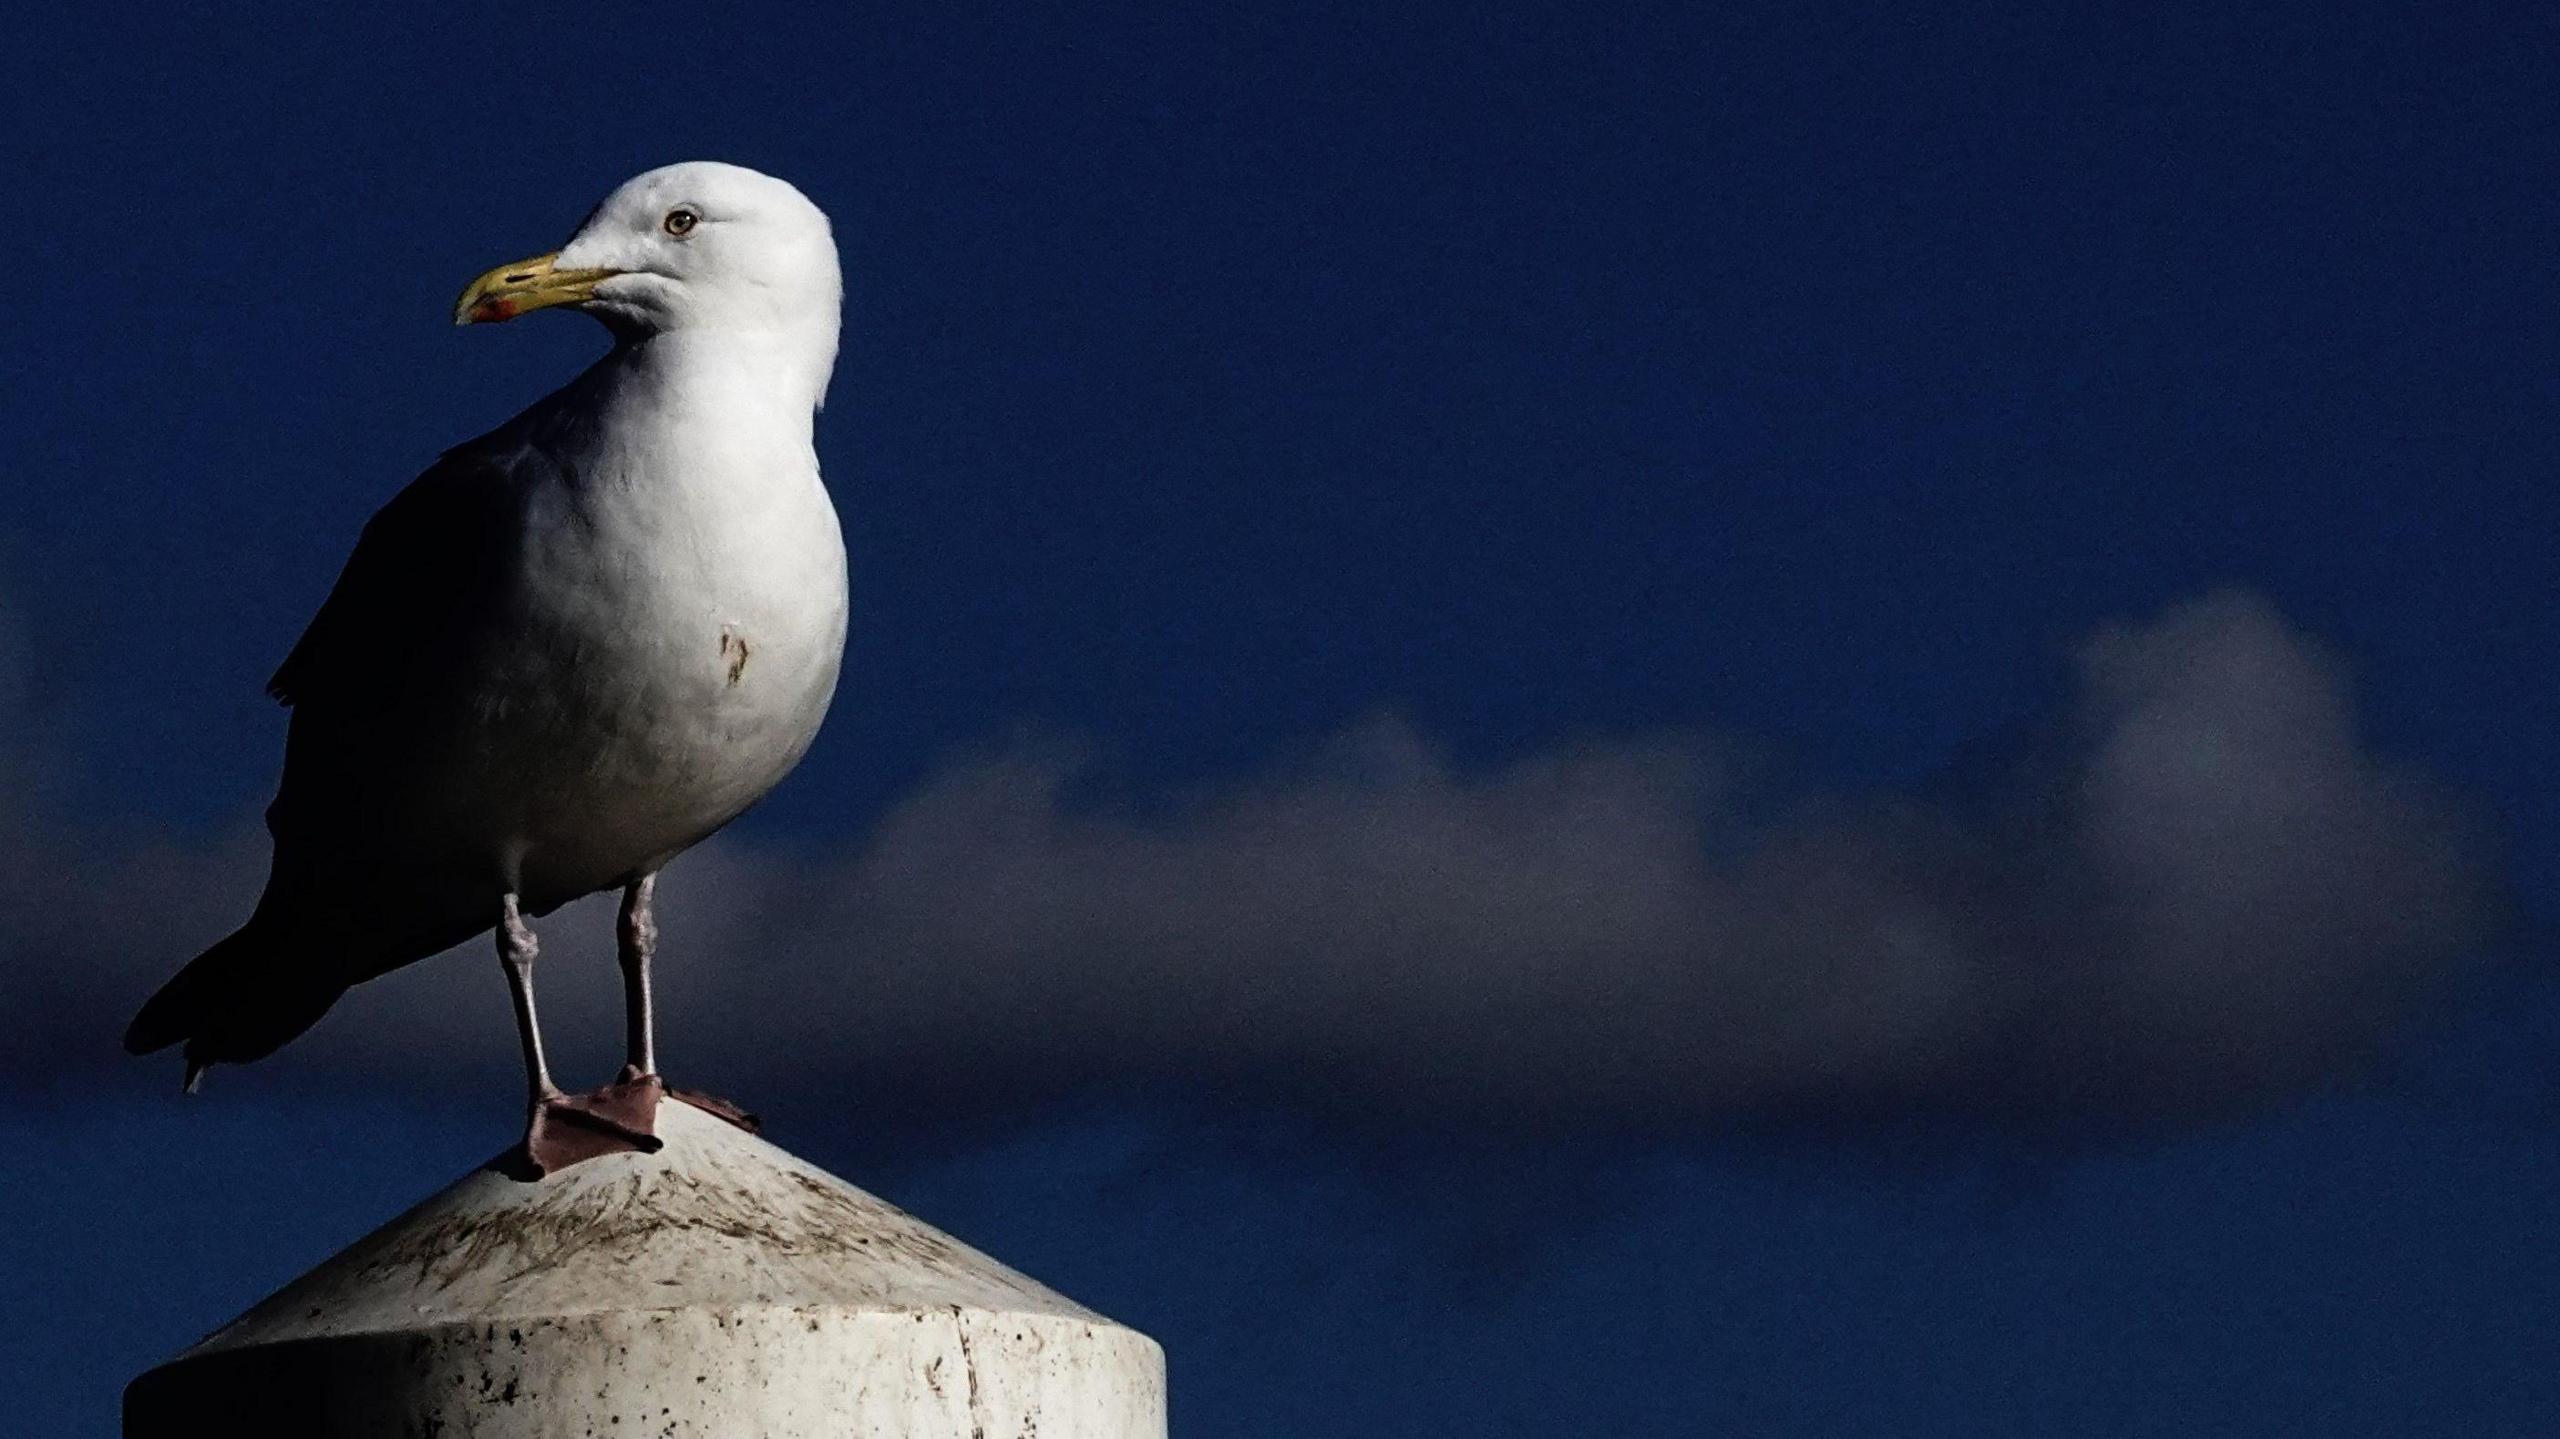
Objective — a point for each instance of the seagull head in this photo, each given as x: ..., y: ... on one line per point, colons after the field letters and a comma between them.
x: 700, y: 246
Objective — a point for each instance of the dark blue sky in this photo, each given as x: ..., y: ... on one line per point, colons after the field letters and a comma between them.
x: 1812, y: 380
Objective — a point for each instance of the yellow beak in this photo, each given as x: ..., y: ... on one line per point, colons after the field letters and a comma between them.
x: 535, y: 284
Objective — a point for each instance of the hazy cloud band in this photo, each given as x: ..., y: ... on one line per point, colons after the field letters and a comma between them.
x: 2200, y: 890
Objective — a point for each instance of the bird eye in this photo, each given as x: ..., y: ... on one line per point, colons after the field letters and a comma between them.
x: 681, y: 220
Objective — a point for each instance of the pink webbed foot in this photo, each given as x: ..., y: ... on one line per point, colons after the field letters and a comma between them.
x: 620, y: 1118
x: 710, y: 1104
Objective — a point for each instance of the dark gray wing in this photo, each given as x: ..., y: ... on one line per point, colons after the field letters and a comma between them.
x: 384, y: 670
x: 386, y: 673
x: 408, y: 594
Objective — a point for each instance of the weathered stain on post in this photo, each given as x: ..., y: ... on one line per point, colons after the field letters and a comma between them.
x: 718, y: 1287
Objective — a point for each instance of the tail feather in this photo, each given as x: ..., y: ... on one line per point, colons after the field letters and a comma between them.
x: 236, y: 1002
x: 180, y: 1006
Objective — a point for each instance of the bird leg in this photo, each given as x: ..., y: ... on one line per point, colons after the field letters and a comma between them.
x: 636, y: 936
x: 563, y: 1129
x: 516, y: 950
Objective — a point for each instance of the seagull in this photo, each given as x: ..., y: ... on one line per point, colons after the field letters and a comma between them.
x: 572, y: 649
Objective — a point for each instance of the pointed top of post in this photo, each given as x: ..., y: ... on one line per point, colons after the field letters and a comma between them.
x: 719, y: 1220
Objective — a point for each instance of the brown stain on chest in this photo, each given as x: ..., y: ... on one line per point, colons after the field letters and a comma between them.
x: 735, y: 650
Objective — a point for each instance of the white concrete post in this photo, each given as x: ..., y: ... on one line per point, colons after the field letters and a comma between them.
x: 720, y: 1287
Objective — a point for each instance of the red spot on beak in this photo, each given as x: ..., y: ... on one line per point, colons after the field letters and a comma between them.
x: 497, y: 309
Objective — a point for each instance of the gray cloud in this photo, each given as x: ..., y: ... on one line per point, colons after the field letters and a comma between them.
x: 2202, y: 889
